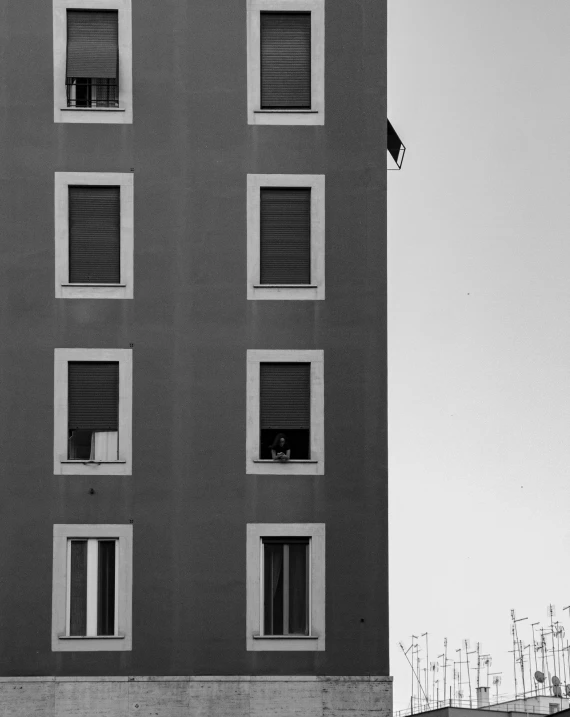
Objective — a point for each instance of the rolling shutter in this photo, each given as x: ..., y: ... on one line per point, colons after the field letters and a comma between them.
x: 93, y: 43
x: 285, y: 236
x: 94, y: 235
x: 93, y: 395
x: 286, y: 60
x: 285, y: 396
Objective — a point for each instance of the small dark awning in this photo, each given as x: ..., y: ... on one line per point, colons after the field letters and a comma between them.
x: 395, y: 146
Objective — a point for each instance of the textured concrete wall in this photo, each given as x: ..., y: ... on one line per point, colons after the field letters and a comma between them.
x: 196, y: 697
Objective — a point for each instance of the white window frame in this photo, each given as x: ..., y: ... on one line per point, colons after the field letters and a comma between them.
x: 62, y: 464
x: 61, y: 640
x: 63, y: 288
x: 123, y: 114
x: 255, y: 639
x: 315, y: 465
x: 304, y: 292
x: 314, y: 116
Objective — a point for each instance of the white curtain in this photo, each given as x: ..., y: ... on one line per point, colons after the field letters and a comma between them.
x: 104, y: 446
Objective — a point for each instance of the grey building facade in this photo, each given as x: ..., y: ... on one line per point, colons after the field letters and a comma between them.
x: 138, y: 551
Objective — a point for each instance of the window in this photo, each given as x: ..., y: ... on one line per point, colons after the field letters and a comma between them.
x: 94, y: 235
x: 93, y: 61
x: 92, y: 588
x: 286, y: 236
x: 286, y: 62
x: 285, y: 413
x: 286, y: 586
x: 92, y: 73
x: 92, y: 412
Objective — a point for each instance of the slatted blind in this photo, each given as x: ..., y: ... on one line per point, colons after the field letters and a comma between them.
x: 285, y: 396
x: 93, y: 395
x: 93, y: 43
x: 285, y: 236
x: 286, y: 60
x: 94, y: 235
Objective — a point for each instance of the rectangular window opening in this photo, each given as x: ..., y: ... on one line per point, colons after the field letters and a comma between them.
x: 285, y: 235
x: 285, y: 410
x: 286, y: 586
x: 93, y: 410
x: 94, y: 234
x: 92, y: 76
x: 285, y: 60
x: 92, y: 587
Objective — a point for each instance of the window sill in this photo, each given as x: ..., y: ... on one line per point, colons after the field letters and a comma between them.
x: 91, y: 637
x: 291, y: 460
x: 93, y: 284
x: 92, y: 109
x: 285, y: 286
x: 285, y: 637
x: 94, y: 463
x: 284, y: 111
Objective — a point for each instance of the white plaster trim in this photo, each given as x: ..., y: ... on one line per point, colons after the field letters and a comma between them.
x: 124, y: 113
x: 253, y: 465
x: 316, y: 116
x: 62, y: 466
x: 60, y: 641
x: 254, y: 627
x: 316, y: 290
x: 65, y: 290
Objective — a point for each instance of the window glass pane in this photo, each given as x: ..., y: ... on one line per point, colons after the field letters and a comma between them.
x: 298, y: 593
x: 78, y: 588
x: 106, y: 588
x: 273, y: 589
x: 285, y: 408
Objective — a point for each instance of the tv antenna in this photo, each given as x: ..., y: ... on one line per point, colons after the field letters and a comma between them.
x: 516, y: 642
x: 497, y: 681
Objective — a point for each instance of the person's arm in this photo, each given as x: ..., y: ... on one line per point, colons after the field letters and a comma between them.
x: 273, y: 454
x: 288, y: 455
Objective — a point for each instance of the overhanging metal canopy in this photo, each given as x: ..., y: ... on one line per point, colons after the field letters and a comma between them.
x: 396, y: 149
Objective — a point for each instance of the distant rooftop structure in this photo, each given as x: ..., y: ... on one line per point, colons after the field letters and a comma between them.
x: 530, y: 704
x: 396, y: 149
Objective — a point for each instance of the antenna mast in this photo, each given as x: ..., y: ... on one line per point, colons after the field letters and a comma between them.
x: 444, y: 668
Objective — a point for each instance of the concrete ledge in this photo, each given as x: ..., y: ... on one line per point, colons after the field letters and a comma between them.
x: 191, y: 696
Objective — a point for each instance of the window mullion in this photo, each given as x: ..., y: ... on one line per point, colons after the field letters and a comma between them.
x: 92, y: 570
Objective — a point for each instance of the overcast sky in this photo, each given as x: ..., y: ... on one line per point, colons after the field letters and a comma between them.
x: 479, y: 321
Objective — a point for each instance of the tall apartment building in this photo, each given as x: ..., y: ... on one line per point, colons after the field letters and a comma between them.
x: 193, y: 263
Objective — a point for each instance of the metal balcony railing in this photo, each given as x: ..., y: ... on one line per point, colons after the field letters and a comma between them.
x: 92, y: 92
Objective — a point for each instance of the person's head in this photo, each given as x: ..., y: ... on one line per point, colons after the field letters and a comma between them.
x: 280, y: 443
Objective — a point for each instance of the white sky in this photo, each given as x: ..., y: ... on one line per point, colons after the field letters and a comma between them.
x: 479, y: 319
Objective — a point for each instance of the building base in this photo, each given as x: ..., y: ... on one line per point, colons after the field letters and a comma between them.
x: 239, y: 696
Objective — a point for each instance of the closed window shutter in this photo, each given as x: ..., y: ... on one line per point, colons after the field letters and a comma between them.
x: 93, y: 395
x: 94, y: 235
x: 285, y: 396
x: 285, y: 236
x: 286, y: 60
x: 93, y: 43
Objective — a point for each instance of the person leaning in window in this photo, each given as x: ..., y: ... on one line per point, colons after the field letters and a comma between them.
x: 280, y: 450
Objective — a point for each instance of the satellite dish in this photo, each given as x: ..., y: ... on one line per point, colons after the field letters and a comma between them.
x: 567, y: 690
x: 555, y: 681
x: 539, y: 676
